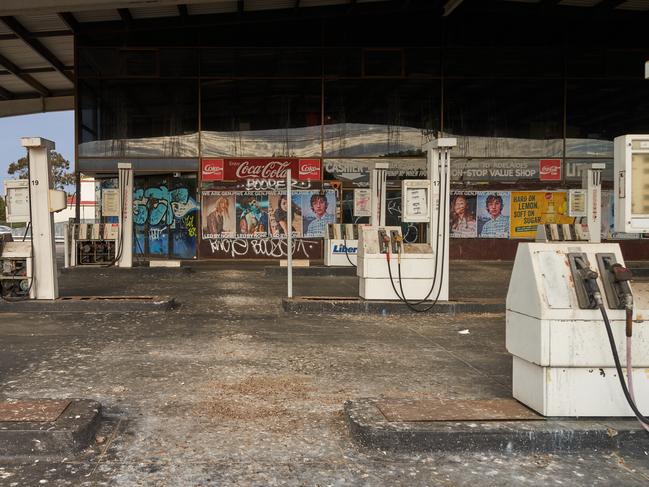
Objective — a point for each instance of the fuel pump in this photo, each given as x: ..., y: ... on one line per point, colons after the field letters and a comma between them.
x: 106, y: 244
x: 571, y: 302
x: 421, y: 273
x: 33, y: 264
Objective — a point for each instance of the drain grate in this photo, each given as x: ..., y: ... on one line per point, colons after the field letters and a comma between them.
x: 33, y: 411
x: 403, y: 410
x: 108, y: 298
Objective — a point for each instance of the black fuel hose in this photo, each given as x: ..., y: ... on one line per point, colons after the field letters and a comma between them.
x: 618, y: 367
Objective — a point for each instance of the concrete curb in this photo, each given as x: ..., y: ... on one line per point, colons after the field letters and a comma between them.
x: 89, y: 304
x: 315, y: 271
x: 74, y: 430
x: 343, y: 305
x: 371, y: 429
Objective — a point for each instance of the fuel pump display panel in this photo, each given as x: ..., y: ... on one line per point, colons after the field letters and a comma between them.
x: 631, y: 183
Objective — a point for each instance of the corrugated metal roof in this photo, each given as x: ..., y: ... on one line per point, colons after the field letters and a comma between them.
x: 53, y: 81
x: 21, y: 55
x: 61, y: 47
x: 42, y: 22
x: 638, y: 5
x: 579, y: 3
x: 15, y: 85
x: 225, y: 6
x: 97, y: 15
x: 321, y: 3
x: 252, y: 5
x: 153, y: 12
x: 4, y: 29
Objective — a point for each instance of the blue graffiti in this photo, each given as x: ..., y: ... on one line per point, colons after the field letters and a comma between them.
x: 159, y: 206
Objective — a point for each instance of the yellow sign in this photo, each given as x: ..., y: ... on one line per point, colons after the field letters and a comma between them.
x: 531, y: 208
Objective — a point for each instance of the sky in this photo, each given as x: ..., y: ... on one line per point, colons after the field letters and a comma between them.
x: 55, y: 126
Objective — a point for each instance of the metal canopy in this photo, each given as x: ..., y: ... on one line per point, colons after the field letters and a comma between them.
x: 37, y: 37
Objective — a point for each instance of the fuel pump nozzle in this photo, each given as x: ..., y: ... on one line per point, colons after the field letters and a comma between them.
x: 622, y: 276
x: 588, y: 279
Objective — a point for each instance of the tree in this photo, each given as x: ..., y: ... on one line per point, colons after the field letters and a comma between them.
x: 3, y: 210
x: 60, y: 170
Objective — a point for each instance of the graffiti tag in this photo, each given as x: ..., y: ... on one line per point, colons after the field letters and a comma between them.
x: 263, y: 247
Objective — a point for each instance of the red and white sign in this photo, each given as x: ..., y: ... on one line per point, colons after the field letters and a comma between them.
x: 550, y: 170
x: 260, y: 168
x: 212, y: 170
x: 309, y: 170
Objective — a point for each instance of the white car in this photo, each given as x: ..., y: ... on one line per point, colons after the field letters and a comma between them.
x: 4, y: 229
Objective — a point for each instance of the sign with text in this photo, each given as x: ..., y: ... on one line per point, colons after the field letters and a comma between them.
x: 269, y: 168
x: 212, y: 170
x: 532, y: 208
x: 550, y: 169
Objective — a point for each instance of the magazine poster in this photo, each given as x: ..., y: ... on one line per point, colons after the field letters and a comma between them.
x: 463, y: 222
x: 219, y: 214
x: 278, y: 214
x: 493, y: 214
x: 529, y: 209
x: 318, y: 210
x: 252, y: 214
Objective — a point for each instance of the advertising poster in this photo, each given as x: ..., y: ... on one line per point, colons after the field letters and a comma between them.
x: 532, y: 208
x: 278, y: 214
x: 318, y: 210
x: 219, y: 214
x: 493, y: 214
x: 463, y: 222
x: 252, y: 214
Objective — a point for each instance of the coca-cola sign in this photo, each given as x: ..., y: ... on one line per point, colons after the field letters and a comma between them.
x: 550, y: 169
x: 309, y: 169
x: 266, y: 169
x: 212, y: 170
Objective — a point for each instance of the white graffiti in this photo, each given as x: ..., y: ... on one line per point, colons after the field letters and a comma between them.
x: 275, y: 184
x: 156, y: 232
x: 265, y: 247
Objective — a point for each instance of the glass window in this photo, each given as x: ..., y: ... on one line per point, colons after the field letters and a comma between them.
x: 261, y: 117
x: 379, y: 117
x: 383, y: 62
x: 138, y: 118
x: 261, y: 62
x: 600, y: 110
x: 484, y: 62
x: 505, y: 118
x: 342, y: 62
x: 178, y: 63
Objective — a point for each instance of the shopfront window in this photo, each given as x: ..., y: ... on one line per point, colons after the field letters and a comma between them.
x: 267, y: 117
x: 138, y: 118
x: 379, y: 117
x: 504, y: 118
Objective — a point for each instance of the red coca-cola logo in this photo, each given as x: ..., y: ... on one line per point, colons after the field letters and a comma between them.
x: 269, y: 170
x: 309, y: 169
x: 550, y: 170
x: 212, y: 170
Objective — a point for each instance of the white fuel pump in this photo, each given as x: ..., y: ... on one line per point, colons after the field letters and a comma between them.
x: 413, y: 273
x: 33, y: 264
x: 106, y: 244
x: 569, y: 306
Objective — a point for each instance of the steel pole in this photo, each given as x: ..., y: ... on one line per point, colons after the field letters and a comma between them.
x: 289, y: 233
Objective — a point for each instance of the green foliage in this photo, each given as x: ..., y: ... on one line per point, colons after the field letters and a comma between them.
x: 60, y: 170
x: 3, y: 210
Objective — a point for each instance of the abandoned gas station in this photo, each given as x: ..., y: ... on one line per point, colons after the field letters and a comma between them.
x: 456, y: 195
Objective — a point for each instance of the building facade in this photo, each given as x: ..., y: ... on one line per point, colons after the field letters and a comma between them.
x: 212, y: 109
